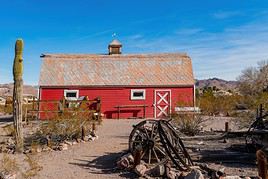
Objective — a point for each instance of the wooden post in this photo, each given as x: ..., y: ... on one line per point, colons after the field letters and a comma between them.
x: 137, y: 155
x: 261, y: 110
x: 262, y: 164
x: 226, y: 127
x: 98, y: 110
x: 83, y: 133
x: 17, y: 95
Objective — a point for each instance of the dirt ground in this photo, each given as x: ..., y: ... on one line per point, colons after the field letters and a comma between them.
x: 93, y: 159
x: 96, y: 159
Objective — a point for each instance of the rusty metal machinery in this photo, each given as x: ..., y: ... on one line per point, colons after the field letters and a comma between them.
x: 159, y: 142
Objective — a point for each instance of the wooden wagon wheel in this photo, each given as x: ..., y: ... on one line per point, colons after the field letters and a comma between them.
x: 145, y: 136
x: 256, y: 141
x: 174, y: 146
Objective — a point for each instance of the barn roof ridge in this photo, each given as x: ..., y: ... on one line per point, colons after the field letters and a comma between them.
x: 118, y: 56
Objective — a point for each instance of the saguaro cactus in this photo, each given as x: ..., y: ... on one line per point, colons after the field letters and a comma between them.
x: 17, y: 94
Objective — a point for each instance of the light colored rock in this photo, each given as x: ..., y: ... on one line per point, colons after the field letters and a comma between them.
x: 4, y: 175
x: 63, y: 146
x: 194, y: 174
x: 123, y: 163
x: 129, y: 157
x: 157, y: 171
x: 171, y: 175
x: 78, y: 140
x: 140, y: 170
x: 68, y: 142
x: 232, y: 177
x: 46, y: 149
x: 38, y: 149
x: 10, y: 141
x: 74, y: 143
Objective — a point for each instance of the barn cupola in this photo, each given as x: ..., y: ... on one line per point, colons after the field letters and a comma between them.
x: 114, y: 47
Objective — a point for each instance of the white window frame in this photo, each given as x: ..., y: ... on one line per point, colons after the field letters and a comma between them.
x: 71, y: 91
x: 132, y: 97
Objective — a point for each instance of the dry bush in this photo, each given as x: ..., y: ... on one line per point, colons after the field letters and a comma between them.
x: 215, y: 105
x: 8, y: 164
x: 8, y: 109
x: 67, y: 125
x: 244, y: 119
x: 9, y: 130
x: 189, y: 124
x: 2, y: 108
x: 34, y: 167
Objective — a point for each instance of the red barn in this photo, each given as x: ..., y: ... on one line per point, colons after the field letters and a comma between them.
x: 133, y: 85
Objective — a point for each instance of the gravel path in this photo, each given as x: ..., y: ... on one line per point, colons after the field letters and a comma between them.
x: 93, y: 159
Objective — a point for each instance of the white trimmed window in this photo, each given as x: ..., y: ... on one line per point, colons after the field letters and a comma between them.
x: 71, y: 94
x: 137, y: 94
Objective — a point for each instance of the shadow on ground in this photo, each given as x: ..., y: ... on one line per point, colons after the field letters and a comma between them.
x: 105, y: 164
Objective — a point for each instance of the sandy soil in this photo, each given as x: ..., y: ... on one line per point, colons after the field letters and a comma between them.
x: 97, y: 159
x: 90, y: 160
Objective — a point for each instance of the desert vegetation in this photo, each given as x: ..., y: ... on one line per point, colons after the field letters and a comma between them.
x: 240, y: 103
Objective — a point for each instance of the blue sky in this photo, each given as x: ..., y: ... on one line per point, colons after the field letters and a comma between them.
x: 222, y: 37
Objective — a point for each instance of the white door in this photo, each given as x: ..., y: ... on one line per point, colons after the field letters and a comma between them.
x: 162, y: 103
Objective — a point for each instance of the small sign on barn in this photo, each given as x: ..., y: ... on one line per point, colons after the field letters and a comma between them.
x: 129, y: 85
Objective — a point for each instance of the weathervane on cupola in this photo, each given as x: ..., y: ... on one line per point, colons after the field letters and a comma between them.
x: 115, y: 46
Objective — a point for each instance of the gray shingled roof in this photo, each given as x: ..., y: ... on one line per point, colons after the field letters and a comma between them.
x: 116, y: 70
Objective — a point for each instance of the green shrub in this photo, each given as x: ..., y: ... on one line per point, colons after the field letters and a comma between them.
x: 189, y: 124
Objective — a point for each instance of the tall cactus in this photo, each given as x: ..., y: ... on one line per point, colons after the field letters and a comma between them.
x: 17, y: 94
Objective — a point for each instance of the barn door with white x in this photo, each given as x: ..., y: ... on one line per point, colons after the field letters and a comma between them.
x: 162, y: 103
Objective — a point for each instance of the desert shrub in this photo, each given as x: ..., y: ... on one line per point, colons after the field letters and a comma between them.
x: 9, y: 130
x: 34, y: 167
x: 2, y: 108
x: 189, y: 124
x: 8, y: 164
x: 8, y: 109
x: 67, y: 125
x: 244, y: 119
x: 215, y: 105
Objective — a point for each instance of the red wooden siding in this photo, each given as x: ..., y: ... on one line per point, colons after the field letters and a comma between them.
x: 112, y: 97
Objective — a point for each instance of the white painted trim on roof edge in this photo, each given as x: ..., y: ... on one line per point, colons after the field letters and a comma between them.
x: 120, y: 86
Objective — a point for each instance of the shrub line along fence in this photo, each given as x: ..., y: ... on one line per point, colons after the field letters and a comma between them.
x: 45, y: 109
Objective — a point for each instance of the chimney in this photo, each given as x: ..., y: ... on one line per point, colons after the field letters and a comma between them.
x: 114, y: 47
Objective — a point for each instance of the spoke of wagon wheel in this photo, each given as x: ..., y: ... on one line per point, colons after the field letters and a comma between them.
x: 150, y: 156
x: 135, y: 141
x: 146, y: 132
x: 156, y: 155
x: 144, y: 152
x: 160, y: 150
x: 152, y: 134
x: 141, y: 133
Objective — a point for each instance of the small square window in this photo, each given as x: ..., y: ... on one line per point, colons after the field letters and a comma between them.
x: 71, y: 94
x: 137, y: 94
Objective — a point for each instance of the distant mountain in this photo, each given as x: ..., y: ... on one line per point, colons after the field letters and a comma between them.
x: 7, y: 90
x: 219, y: 83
